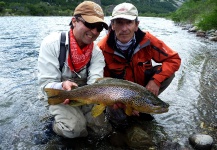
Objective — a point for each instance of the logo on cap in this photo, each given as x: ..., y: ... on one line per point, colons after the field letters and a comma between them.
x: 123, y: 9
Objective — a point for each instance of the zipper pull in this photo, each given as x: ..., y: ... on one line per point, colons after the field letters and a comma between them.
x: 73, y: 70
x: 77, y: 74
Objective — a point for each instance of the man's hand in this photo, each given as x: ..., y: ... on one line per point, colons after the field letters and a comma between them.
x: 153, y: 87
x: 123, y: 106
x: 67, y: 101
x: 67, y: 85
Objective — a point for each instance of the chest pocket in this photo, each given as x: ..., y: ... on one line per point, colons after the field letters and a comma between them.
x: 117, y: 67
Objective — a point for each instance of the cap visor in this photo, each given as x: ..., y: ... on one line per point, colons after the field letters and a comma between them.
x: 94, y: 19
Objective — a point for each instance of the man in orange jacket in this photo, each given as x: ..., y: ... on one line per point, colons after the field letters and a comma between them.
x: 129, y: 52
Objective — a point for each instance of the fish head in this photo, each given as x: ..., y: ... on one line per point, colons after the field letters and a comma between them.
x: 150, y: 105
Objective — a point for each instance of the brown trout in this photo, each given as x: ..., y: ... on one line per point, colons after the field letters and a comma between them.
x: 108, y: 91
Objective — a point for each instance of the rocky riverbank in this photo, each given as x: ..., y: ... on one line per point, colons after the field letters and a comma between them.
x: 210, y: 35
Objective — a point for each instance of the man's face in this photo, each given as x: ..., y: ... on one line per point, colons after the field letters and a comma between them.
x: 83, y: 34
x: 124, y: 29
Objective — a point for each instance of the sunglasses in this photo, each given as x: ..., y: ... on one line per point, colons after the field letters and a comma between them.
x: 98, y: 26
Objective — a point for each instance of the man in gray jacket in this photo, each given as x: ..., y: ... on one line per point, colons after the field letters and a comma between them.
x: 83, y: 65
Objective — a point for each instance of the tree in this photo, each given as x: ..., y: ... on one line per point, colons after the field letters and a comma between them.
x: 2, y: 6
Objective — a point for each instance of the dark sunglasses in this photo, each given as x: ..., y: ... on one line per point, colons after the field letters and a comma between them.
x: 98, y: 26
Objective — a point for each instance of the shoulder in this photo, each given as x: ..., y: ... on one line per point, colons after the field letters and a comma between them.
x: 52, y: 38
x: 50, y: 45
x: 96, y: 49
x: 97, y: 53
x: 150, y: 36
x: 103, y: 41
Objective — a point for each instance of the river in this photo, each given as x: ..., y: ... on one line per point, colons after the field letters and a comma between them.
x: 192, y: 95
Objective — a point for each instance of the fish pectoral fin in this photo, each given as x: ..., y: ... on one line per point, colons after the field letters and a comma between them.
x: 128, y: 110
x: 97, y: 110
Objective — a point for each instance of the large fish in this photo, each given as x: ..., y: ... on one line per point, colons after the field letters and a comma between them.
x: 108, y: 91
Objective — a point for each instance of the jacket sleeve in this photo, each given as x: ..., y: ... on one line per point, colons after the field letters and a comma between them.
x: 163, y: 54
x: 48, y: 63
x: 97, y: 64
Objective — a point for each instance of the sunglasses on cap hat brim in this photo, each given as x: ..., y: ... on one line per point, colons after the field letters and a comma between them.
x: 98, y: 25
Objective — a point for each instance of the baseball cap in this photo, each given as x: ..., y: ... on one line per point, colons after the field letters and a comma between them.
x: 91, y: 12
x: 125, y: 11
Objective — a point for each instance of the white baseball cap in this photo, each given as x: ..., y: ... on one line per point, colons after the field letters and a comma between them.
x: 125, y: 11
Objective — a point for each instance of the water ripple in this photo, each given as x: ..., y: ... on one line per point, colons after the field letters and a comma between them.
x: 192, y: 95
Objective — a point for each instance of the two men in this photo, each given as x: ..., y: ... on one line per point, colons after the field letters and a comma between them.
x: 128, y: 53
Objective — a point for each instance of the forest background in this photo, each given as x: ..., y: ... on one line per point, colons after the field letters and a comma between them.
x: 202, y: 13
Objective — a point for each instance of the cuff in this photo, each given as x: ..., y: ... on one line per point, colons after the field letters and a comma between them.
x: 54, y: 85
x: 157, y: 82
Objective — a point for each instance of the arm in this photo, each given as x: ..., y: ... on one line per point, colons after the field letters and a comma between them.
x: 48, y: 64
x: 169, y: 58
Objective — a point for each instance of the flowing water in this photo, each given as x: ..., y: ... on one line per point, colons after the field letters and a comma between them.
x: 192, y: 95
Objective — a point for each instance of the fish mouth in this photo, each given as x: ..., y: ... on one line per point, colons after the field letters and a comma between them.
x: 159, y: 110
x: 153, y: 109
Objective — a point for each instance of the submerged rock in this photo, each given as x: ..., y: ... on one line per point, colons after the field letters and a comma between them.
x: 201, y: 141
x: 167, y: 145
x: 137, y: 137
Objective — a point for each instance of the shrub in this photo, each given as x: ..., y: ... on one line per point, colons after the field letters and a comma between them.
x: 208, y: 21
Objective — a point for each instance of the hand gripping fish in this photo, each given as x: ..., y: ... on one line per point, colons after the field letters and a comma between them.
x: 108, y: 91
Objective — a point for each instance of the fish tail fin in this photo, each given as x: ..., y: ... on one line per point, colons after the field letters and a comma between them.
x: 54, y: 96
x: 97, y: 110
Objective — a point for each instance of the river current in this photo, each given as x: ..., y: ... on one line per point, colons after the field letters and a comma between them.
x: 192, y: 94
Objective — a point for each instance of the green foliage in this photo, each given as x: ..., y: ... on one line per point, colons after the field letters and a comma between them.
x: 2, y: 6
x: 40, y: 9
x: 62, y: 7
x: 186, y: 12
x: 17, y: 8
x: 199, y: 12
x: 154, y: 6
x: 208, y: 21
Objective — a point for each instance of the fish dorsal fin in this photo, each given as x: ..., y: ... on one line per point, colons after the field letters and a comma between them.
x: 108, y: 80
x: 103, y: 80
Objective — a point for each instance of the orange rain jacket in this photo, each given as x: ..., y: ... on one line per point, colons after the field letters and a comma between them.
x: 147, y: 48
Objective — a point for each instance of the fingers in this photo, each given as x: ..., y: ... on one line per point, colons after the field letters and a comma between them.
x: 123, y: 106
x: 153, y: 91
x: 67, y: 101
x: 135, y: 113
x: 153, y: 87
x: 67, y: 85
x: 118, y: 105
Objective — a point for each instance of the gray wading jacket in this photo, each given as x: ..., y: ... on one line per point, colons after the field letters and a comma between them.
x: 48, y: 64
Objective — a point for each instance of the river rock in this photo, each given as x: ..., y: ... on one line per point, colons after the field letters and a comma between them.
x: 213, y: 38
x: 201, y: 33
x: 201, y: 141
x: 193, y: 29
x: 137, y: 138
x: 168, y: 145
x: 117, y: 139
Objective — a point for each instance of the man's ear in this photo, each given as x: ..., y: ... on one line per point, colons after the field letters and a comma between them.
x: 73, y: 21
x: 137, y: 26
